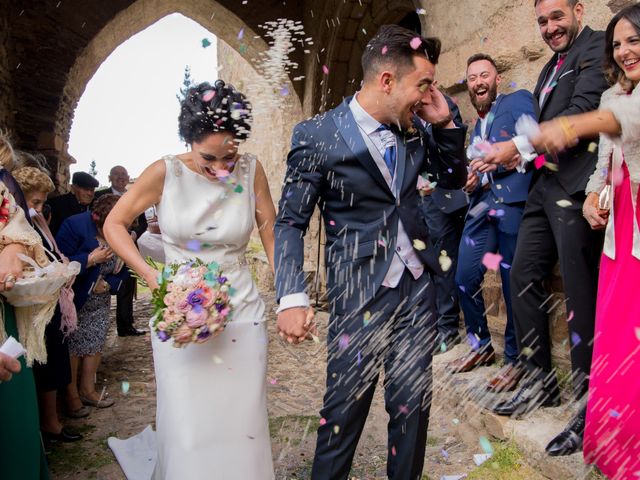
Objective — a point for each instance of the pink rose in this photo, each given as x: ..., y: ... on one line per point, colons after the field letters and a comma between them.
x: 209, y: 297
x: 183, y: 306
x: 197, y: 317
x: 183, y: 334
x: 161, y: 326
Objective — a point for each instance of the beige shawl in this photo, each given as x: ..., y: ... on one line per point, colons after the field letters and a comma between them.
x: 31, y: 320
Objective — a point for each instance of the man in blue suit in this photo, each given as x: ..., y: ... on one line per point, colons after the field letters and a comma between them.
x: 444, y: 211
x: 495, y: 212
x: 360, y: 163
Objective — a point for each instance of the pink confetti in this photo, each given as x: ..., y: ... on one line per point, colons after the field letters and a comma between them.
x: 323, y: 421
x: 404, y: 409
x: 208, y: 95
x: 393, y: 450
x: 273, y: 381
x: 343, y: 343
x: 384, y: 50
x: 415, y: 42
x: 491, y: 260
x: 332, y: 222
x: 325, y: 69
x: 570, y: 317
x: 539, y: 162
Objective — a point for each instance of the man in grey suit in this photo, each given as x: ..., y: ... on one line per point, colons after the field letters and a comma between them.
x: 360, y: 163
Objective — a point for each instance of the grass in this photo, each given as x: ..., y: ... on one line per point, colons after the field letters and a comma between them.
x: 292, y: 428
x: 87, y: 454
x: 505, y: 464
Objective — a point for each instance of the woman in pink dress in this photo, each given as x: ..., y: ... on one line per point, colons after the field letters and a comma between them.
x: 612, y: 429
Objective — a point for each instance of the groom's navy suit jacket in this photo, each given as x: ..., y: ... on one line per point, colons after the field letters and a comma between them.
x: 329, y: 164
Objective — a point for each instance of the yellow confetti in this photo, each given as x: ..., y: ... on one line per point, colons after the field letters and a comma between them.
x: 593, y: 146
x: 367, y: 318
x: 445, y: 261
x: 419, y: 244
x: 527, y: 352
x: 336, y: 429
x: 564, y: 203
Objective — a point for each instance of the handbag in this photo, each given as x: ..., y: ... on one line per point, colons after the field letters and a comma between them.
x: 605, y: 197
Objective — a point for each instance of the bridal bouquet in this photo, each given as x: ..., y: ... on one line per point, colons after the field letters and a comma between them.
x: 192, y: 303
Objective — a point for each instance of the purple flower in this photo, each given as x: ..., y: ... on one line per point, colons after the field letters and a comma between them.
x: 196, y: 298
x: 163, y: 336
x: 204, y: 333
x: 222, y: 280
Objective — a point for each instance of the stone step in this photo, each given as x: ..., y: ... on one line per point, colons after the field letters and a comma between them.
x: 463, y: 397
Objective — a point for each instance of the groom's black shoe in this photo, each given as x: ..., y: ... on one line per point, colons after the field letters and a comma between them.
x: 130, y: 332
x: 570, y: 439
x: 529, y: 398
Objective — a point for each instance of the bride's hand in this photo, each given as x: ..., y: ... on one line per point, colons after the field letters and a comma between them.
x: 310, y: 326
x: 150, y: 276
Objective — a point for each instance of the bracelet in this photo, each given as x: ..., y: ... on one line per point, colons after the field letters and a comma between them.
x: 568, y: 130
x: 443, y: 123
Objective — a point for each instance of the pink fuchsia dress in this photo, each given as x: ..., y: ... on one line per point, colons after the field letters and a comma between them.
x: 612, y: 433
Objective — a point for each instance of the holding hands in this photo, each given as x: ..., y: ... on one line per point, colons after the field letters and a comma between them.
x: 297, y: 324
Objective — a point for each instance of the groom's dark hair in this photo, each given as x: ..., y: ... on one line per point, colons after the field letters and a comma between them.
x: 396, y: 46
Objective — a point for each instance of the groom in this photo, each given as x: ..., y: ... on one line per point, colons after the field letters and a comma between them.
x: 360, y: 163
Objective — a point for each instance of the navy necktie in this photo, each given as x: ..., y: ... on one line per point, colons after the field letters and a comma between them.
x: 389, y: 152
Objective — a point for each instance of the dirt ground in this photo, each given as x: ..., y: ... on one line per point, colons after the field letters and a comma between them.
x: 296, y: 377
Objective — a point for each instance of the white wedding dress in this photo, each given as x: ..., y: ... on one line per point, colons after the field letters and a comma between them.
x: 211, y: 416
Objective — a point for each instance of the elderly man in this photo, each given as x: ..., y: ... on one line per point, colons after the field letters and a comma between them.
x: 83, y: 187
x: 119, y: 179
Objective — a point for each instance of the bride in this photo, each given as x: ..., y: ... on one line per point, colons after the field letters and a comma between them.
x: 211, y: 416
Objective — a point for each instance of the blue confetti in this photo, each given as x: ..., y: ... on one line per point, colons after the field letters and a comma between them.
x: 575, y: 339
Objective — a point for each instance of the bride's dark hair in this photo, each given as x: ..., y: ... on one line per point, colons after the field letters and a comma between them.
x: 210, y: 109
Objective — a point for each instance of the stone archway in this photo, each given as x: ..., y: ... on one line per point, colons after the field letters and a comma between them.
x: 135, y: 18
x: 347, y: 28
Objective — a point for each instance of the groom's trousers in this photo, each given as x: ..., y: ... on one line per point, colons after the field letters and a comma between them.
x: 395, y: 331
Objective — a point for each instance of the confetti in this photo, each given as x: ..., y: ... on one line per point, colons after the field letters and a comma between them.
x: 506, y: 266
x: 575, y: 339
x: 332, y: 222
x: 614, y: 414
x: 527, y: 352
x: 419, y: 244
x: 393, y: 450
x: 491, y: 260
x: 217, y: 360
x: 564, y: 203
x: 421, y: 11
x: 570, y: 316
x: 444, y: 453
x: 415, y: 42
x: 325, y: 69
x: 323, y: 421
x: 473, y: 340
x: 455, y: 421
x: 539, y: 162
x: 478, y: 209
x: 593, y: 146
x: 485, y: 444
x: 238, y: 189
x: 513, y: 85
x: 284, y: 91
x: 480, y: 458
x: 366, y: 318
x: 343, y: 343
x: 206, y: 43
x: 404, y: 409
x: 384, y: 50
x: 273, y: 381
x: 336, y: 429
x: 241, y: 34
x: 193, y: 245
x: 125, y: 387
x: 443, y: 347
x: 445, y: 261
x: 208, y: 95
x: 242, y: 49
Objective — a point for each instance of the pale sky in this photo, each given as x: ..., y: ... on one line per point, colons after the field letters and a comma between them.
x: 128, y: 114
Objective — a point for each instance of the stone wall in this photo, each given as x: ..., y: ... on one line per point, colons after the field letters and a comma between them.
x: 6, y: 67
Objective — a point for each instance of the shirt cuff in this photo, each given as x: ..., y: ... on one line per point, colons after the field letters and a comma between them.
x: 292, y: 301
x: 525, y: 149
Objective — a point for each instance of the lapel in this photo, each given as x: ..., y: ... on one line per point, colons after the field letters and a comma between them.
x: 350, y: 133
x: 568, y: 64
